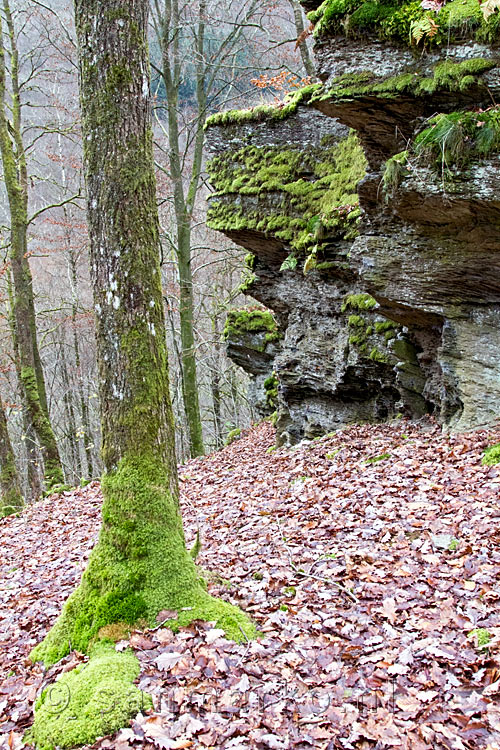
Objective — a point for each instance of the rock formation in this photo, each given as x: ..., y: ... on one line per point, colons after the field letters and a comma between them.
x: 393, y: 305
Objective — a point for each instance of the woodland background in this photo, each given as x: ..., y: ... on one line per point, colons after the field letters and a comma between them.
x: 205, y: 56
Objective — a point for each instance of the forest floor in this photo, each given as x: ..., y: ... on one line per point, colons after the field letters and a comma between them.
x: 370, y: 560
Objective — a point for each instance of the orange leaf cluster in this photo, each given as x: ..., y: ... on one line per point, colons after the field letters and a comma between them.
x: 284, y: 82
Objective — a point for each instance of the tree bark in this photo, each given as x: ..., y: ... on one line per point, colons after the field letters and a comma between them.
x: 16, y: 184
x: 32, y: 454
x: 184, y: 203
x: 11, y: 499
x: 140, y: 564
x: 69, y: 409
x: 298, y: 15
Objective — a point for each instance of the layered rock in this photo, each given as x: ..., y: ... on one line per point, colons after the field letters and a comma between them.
x: 427, y: 247
x: 295, y: 208
x: 252, y: 342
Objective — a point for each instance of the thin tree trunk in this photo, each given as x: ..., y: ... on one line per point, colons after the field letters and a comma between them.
x: 69, y: 409
x: 10, y: 486
x: 298, y: 15
x: 73, y: 278
x: 183, y: 204
x: 88, y: 442
x: 33, y: 460
x: 215, y: 383
x: 32, y: 454
x: 16, y: 183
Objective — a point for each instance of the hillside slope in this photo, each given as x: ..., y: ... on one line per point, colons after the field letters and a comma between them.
x: 370, y: 560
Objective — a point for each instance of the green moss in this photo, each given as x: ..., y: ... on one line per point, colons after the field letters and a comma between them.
x: 325, y: 266
x: 139, y: 567
x: 396, y: 168
x: 492, y: 455
x: 88, y: 702
x: 271, y: 389
x: 196, y: 548
x: 359, y: 340
x: 482, y: 637
x: 381, y: 326
x: 446, y: 76
x: 376, y: 459
x: 264, y: 111
x: 398, y: 20
x: 379, y: 332
x: 241, y: 322
x: 11, y: 499
x: 358, y: 302
x: 250, y: 261
x: 248, y: 279
x: 377, y: 356
x: 307, y: 195
x: 232, y: 436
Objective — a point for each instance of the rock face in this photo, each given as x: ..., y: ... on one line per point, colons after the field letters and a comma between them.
x: 253, y: 342
x: 396, y: 310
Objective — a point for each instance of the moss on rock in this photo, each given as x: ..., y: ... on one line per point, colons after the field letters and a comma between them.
x: 300, y: 190
x: 240, y: 322
x: 456, y: 138
x: 93, y: 700
x: 264, y: 111
x: 232, y: 435
x: 450, y: 142
x: 402, y: 20
x: 447, y: 76
x: 358, y: 302
x: 271, y: 390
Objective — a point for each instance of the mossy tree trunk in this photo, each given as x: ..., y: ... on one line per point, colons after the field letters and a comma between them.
x: 140, y: 564
x: 168, y: 23
x: 16, y: 184
x: 33, y: 460
x: 10, y: 487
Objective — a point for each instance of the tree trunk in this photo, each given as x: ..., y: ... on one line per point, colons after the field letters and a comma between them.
x: 10, y: 487
x: 183, y: 204
x: 140, y: 564
x: 69, y: 409
x: 33, y: 460
x: 188, y: 351
x: 215, y: 380
x: 32, y: 454
x: 16, y: 184
x: 73, y: 278
x: 298, y: 15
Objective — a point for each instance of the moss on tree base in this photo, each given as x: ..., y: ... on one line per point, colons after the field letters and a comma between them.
x: 93, y: 700
x: 139, y: 567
